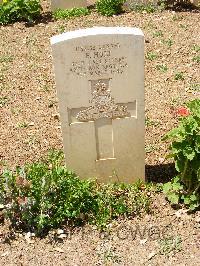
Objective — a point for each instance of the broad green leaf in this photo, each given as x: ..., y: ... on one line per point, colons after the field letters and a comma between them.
x: 193, y: 197
x: 173, y: 198
x: 186, y: 200
x: 179, y: 166
x: 194, y: 107
x: 189, y: 153
x: 177, y: 186
x: 190, y: 125
x: 194, y: 206
x: 167, y: 187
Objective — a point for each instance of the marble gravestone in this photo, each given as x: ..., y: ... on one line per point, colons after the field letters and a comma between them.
x: 100, y: 86
x: 67, y: 4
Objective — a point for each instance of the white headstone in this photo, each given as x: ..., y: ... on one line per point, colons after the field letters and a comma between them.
x: 100, y: 86
x: 67, y: 4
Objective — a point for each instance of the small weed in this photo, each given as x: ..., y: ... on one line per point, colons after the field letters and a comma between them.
x: 150, y: 148
x: 15, y: 111
x: 168, y: 42
x: 70, y: 13
x: 177, y: 17
x: 22, y: 125
x: 184, y: 26
x: 194, y: 87
x: 1, y: 76
x: 150, y: 25
x: 31, y: 40
x: 196, y: 48
x: 110, y: 7
x: 179, y: 76
x: 148, y: 7
x: 46, y: 88
x: 109, y: 256
x: 162, y: 68
x: 32, y: 140
x: 196, y: 59
x: 6, y: 58
x: 149, y: 122
x: 61, y: 28
x: 158, y: 34
x: 3, y: 163
x: 3, y: 101
x: 151, y: 56
x: 168, y: 245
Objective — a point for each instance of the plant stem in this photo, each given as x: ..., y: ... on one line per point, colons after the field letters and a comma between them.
x: 184, y: 170
x: 197, y: 188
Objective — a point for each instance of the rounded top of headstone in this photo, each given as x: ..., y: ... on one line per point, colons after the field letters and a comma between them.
x: 96, y: 31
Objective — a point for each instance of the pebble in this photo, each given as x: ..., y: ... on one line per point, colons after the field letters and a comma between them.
x: 151, y: 255
x: 5, y: 254
x: 60, y: 231
x: 62, y: 236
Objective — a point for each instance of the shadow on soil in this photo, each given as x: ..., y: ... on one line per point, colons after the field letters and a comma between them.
x: 44, y: 18
x: 187, y: 7
x: 161, y: 173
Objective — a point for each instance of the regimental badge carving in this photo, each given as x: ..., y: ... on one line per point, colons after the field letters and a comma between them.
x: 102, y: 106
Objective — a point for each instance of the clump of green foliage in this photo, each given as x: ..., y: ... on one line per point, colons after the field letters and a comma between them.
x: 141, y: 7
x: 196, y: 58
x: 109, y: 7
x: 45, y: 195
x: 185, y: 149
x: 179, y: 76
x: 17, y: 10
x: 70, y: 13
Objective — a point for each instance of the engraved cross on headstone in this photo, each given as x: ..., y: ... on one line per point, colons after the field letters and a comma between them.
x: 101, y: 112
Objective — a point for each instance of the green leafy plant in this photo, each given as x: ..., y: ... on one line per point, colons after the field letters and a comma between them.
x: 179, y: 76
x: 151, y: 56
x: 169, y: 245
x: 70, y: 13
x: 16, y: 10
x: 45, y: 195
x: 196, y: 48
x: 6, y: 58
x: 3, y: 101
x: 149, y: 122
x: 162, y: 68
x: 194, y: 87
x: 22, y: 125
x: 183, y: 26
x: 158, y: 33
x: 196, y: 59
x: 110, y: 7
x: 185, y: 149
x: 168, y: 42
x: 141, y: 7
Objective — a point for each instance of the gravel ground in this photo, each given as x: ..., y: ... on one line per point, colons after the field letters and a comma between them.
x: 30, y: 127
x: 165, y: 237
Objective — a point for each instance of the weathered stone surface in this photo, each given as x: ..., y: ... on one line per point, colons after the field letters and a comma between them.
x: 100, y: 87
x: 67, y: 4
